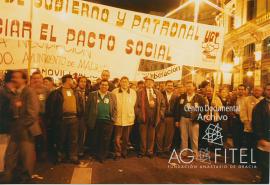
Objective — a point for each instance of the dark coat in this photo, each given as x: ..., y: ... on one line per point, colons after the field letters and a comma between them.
x: 54, y: 106
x: 141, y: 114
x: 26, y: 125
x: 92, y: 109
x: 179, y: 106
x: 6, y: 115
x: 261, y: 120
x: 170, y: 106
x: 81, y: 102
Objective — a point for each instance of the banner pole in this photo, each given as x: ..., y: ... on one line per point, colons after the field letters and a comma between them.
x: 30, y: 43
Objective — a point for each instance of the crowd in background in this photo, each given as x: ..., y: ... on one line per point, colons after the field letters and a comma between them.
x: 66, y: 122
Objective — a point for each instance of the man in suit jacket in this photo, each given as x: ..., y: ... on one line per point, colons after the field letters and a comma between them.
x: 149, y: 110
x: 261, y: 128
x: 23, y: 128
x: 101, y: 113
x: 165, y: 130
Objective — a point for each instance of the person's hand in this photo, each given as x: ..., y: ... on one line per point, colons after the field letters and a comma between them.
x: 207, y: 118
x: 177, y: 124
x: 262, y: 143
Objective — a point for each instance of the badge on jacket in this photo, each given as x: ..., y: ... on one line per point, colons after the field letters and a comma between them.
x: 106, y: 100
x: 182, y: 101
x: 68, y: 93
x: 41, y: 97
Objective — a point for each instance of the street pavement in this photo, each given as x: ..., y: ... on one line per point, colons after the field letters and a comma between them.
x: 143, y: 170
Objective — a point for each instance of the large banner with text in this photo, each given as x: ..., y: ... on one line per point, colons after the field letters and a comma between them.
x: 67, y: 36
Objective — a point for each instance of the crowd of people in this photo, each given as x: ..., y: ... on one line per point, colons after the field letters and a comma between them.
x: 108, y: 118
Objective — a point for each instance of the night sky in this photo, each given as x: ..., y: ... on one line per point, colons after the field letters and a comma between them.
x: 143, y: 5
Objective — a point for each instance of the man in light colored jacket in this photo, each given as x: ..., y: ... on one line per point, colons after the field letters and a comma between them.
x: 126, y: 100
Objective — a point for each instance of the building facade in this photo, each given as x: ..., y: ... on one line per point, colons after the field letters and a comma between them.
x: 247, y: 40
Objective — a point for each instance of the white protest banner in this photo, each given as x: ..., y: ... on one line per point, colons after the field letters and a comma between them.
x: 51, y: 59
x: 116, y: 38
x: 159, y: 71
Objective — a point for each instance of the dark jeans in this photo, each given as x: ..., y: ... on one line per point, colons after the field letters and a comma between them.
x: 102, y: 138
x: 176, y: 138
x: 147, y: 135
x: 41, y: 140
x: 135, y: 136
x: 249, y: 142
x: 202, y: 142
x: 237, y: 135
x: 68, y: 139
x: 19, y: 161
x: 121, y: 139
x: 82, y: 135
x: 263, y: 163
x: 164, y: 135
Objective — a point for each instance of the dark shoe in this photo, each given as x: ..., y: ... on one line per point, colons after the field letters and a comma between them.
x: 159, y: 154
x: 140, y: 156
x: 76, y: 162
x: 151, y: 156
x: 81, y: 154
x: 101, y: 161
x: 59, y: 160
x: 124, y: 156
x: 116, y: 158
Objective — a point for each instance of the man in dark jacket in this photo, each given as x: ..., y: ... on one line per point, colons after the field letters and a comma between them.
x: 165, y: 130
x: 36, y: 83
x: 82, y: 95
x: 23, y: 128
x: 186, y: 116
x: 7, y: 94
x: 62, y: 110
x: 100, y: 115
x: 261, y: 128
x: 149, y: 111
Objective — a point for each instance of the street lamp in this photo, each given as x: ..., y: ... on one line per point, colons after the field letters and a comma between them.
x: 197, y: 8
x: 226, y: 67
x: 258, y: 55
x: 250, y: 73
x: 193, y: 72
x: 236, y: 61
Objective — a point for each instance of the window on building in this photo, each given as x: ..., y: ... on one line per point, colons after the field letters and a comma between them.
x: 249, y: 50
x: 231, y: 23
x: 230, y: 57
x: 251, y: 9
x: 266, y: 48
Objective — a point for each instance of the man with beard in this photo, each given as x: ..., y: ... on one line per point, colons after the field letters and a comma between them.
x: 23, y: 128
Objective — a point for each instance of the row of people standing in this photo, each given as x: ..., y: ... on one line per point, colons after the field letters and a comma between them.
x: 69, y: 115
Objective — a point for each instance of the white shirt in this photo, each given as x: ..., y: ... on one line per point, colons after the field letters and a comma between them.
x: 169, y: 95
x: 148, y: 93
x: 190, y: 97
x: 102, y: 95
